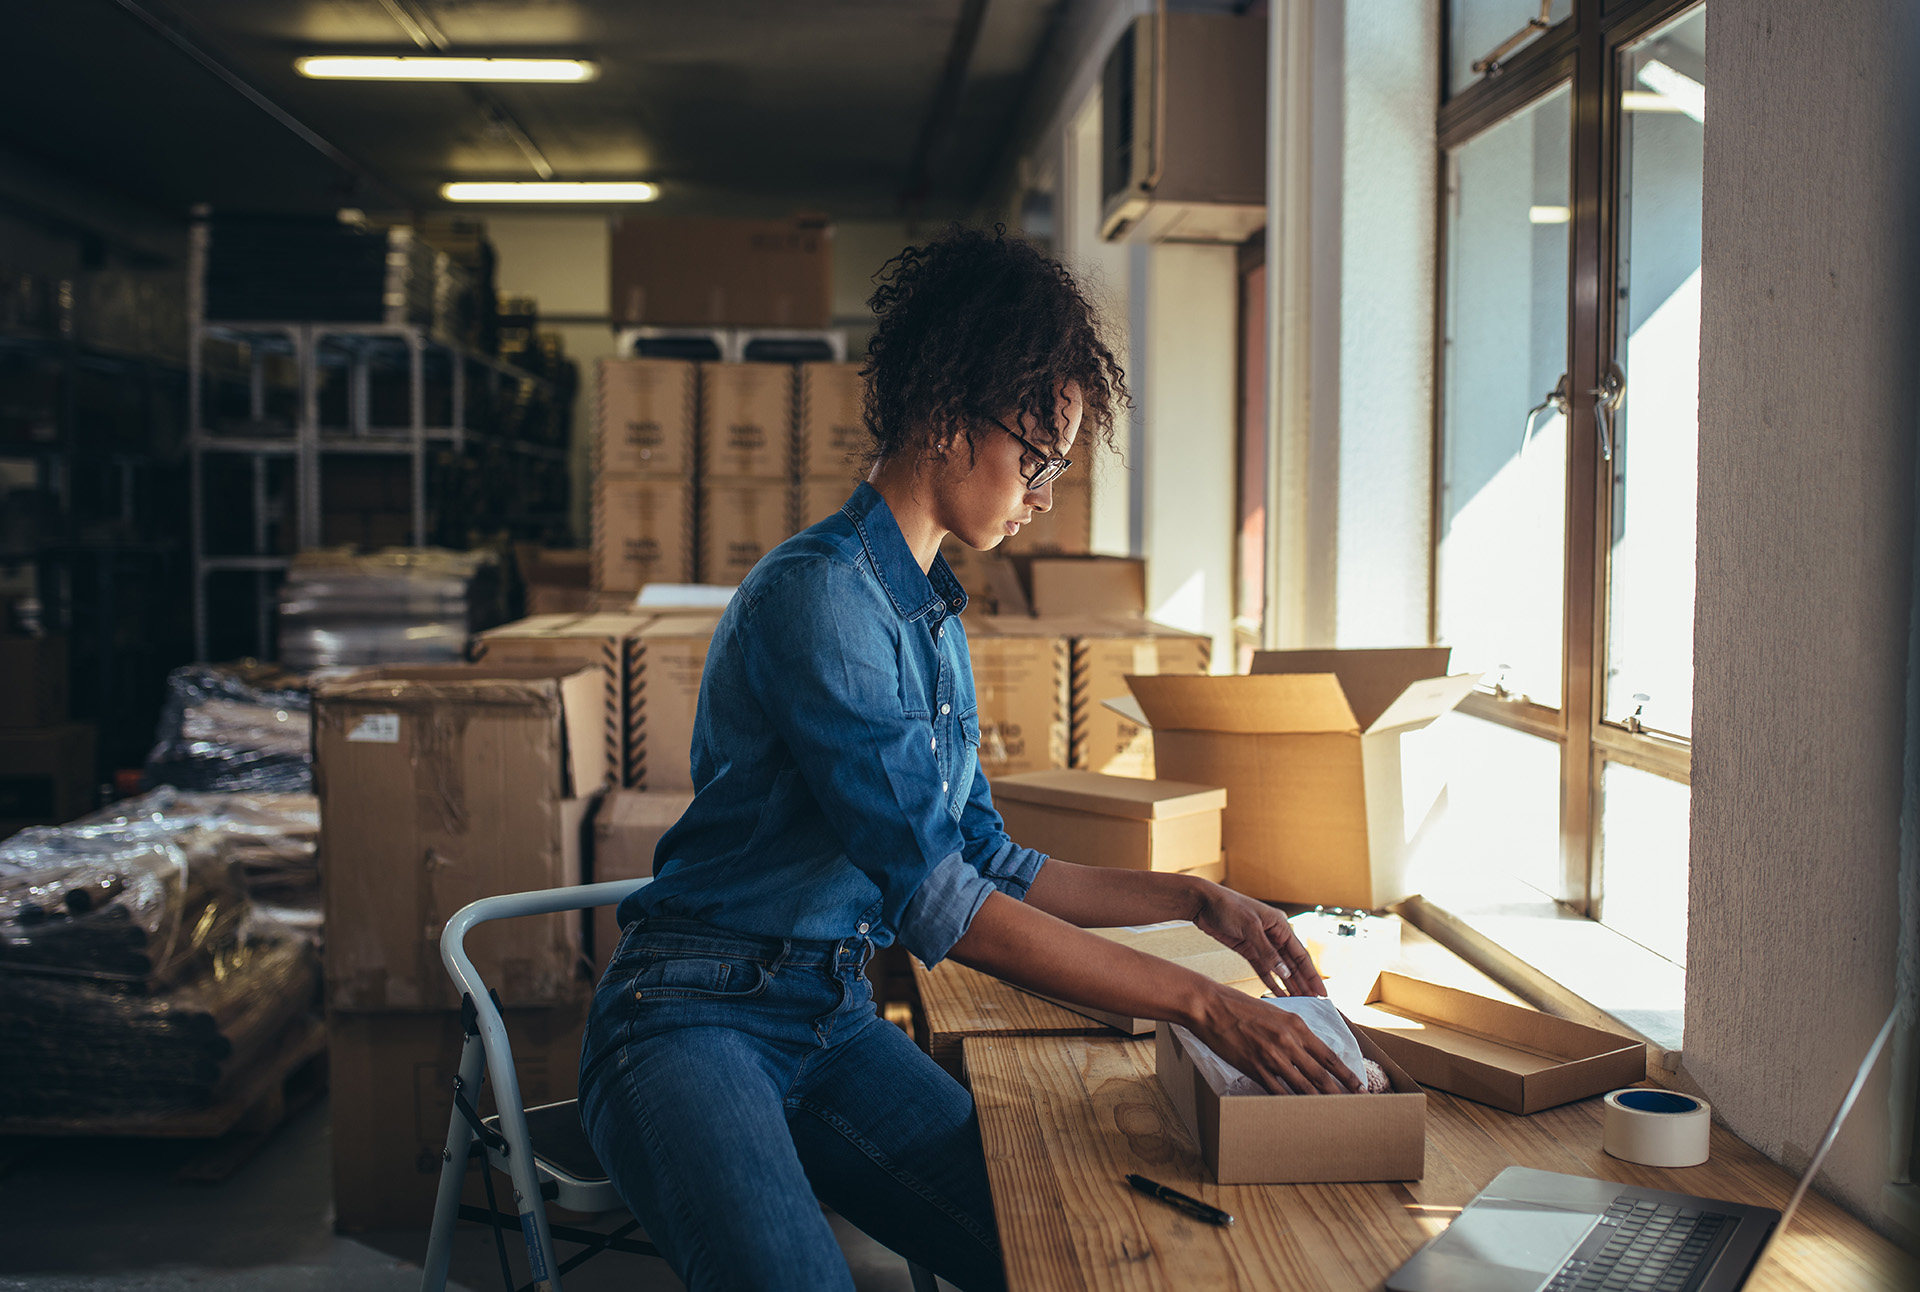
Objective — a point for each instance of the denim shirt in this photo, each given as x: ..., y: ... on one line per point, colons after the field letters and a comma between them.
x: 837, y: 784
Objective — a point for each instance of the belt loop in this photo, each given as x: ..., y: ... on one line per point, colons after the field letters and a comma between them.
x: 780, y: 960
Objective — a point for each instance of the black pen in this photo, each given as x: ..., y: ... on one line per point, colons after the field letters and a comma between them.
x: 1174, y: 1198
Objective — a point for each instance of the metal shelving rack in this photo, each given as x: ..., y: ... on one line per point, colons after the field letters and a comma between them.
x: 316, y: 350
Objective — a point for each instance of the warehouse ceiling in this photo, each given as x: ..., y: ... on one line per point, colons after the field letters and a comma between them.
x: 852, y: 108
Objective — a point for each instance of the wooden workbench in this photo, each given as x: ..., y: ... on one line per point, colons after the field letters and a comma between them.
x: 1064, y: 1118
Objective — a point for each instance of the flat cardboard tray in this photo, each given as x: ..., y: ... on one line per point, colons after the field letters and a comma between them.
x: 1510, y: 1057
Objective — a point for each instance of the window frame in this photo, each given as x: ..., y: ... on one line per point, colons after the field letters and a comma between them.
x: 1584, y: 52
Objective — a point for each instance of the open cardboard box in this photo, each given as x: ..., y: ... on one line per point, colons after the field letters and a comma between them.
x: 1311, y: 764
x: 1117, y: 821
x: 1186, y: 946
x: 1494, y: 1053
x: 1299, y: 1139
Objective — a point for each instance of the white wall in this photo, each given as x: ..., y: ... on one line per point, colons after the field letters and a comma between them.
x: 1807, y: 424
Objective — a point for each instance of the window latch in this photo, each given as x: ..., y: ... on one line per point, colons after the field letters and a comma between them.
x: 1556, y: 399
x: 1632, y: 721
x: 1606, y: 400
x: 1491, y: 64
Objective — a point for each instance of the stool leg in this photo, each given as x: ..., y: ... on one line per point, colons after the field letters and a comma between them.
x: 453, y: 1174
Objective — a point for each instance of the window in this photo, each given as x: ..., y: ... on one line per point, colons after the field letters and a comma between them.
x: 1567, y: 350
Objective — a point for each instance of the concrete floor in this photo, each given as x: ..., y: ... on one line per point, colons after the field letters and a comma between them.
x: 107, y: 1216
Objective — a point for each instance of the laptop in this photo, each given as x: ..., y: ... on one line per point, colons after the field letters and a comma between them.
x: 1540, y: 1231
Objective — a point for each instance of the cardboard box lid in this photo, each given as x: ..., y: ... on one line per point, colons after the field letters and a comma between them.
x: 1283, y: 703
x: 1087, y: 585
x: 681, y: 626
x: 594, y: 625
x: 573, y: 691
x: 1121, y: 796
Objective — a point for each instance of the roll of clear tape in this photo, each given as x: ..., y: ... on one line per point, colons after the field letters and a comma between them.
x: 1656, y: 1127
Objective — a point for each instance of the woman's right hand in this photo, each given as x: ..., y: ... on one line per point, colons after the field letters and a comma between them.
x: 1275, y: 1048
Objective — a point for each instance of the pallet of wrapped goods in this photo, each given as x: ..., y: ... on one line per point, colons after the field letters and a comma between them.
x: 746, y: 421
x: 642, y: 533
x: 648, y: 418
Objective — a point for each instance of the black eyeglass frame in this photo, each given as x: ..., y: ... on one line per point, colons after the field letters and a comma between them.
x: 1051, y: 466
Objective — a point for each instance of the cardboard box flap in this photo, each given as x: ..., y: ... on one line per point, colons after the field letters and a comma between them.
x: 1279, y: 703
x: 681, y: 625
x: 572, y: 690
x: 1424, y: 701
x: 1121, y: 796
x: 1371, y: 679
x: 596, y: 624
x: 1129, y: 708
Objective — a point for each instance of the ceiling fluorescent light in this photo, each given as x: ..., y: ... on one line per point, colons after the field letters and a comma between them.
x: 1549, y: 214
x: 1686, y: 94
x: 589, y: 191
x: 354, y: 68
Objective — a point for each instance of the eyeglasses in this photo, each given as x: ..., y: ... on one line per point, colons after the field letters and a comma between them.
x: 1050, y: 466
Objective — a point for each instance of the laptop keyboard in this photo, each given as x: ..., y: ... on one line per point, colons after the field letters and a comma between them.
x: 1653, y: 1248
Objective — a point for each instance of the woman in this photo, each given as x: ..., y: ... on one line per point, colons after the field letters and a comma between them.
x: 735, y: 1069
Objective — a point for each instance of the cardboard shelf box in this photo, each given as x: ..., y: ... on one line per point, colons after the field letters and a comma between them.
x: 746, y: 421
x: 648, y: 418
x: 642, y: 533
x: 441, y: 784
x: 831, y: 430
x: 1492, y: 1052
x: 818, y: 497
x: 740, y: 522
x: 609, y: 642
x: 1183, y: 944
x: 558, y: 581
x: 720, y: 273
x: 390, y: 1095
x: 36, y: 673
x: 1299, y: 1139
x: 1117, y: 821
x: 1085, y: 586
x: 1105, y: 654
x: 671, y: 658
x: 1311, y: 764
x: 1020, y: 687
x: 626, y: 830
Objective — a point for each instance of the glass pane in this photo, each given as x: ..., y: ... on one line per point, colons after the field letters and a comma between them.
x: 1656, y: 458
x: 1643, y: 858
x: 1503, y: 502
x: 1500, y: 815
x: 1478, y: 27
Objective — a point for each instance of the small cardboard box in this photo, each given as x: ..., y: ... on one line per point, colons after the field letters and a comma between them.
x: 1183, y: 944
x: 558, y: 581
x: 1299, y: 1139
x: 1116, y: 821
x: 608, y: 642
x: 746, y: 420
x: 390, y: 1094
x: 1311, y: 764
x: 1493, y: 1052
x: 1020, y: 685
x: 626, y: 830
x: 36, y: 691
x: 1080, y: 586
x: 1105, y: 654
x: 740, y: 522
x: 642, y: 533
x: 441, y: 784
x: 672, y: 658
x: 720, y: 273
x: 648, y: 417
x: 832, y: 424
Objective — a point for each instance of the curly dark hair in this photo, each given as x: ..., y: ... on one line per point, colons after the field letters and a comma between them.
x: 977, y: 325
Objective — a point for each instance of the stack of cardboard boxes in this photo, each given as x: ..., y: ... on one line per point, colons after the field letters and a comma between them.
x: 643, y: 475
x: 46, y: 762
x: 830, y: 439
x: 746, y: 465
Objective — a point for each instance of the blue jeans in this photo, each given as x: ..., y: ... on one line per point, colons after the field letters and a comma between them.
x: 728, y: 1081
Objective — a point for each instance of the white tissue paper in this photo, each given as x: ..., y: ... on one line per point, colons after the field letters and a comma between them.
x: 1317, y: 1012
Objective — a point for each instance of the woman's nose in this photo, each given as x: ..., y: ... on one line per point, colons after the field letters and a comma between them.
x: 1041, y: 499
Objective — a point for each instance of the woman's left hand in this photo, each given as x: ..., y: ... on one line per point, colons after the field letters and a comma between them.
x: 1261, y: 934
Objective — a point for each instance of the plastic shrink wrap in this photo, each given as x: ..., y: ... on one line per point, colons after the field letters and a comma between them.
x: 235, y: 727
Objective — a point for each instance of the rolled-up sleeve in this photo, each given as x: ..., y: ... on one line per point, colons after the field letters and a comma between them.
x: 828, y: 678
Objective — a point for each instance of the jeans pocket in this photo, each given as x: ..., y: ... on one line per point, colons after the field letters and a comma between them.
x: 699, y: 978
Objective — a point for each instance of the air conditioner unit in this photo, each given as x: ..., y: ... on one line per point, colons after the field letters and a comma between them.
x: 1184, y: 129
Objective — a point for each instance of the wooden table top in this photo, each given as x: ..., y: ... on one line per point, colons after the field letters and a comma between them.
x: 1065, y: 1118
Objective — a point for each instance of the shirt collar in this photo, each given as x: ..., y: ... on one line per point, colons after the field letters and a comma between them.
x: 913, y: 592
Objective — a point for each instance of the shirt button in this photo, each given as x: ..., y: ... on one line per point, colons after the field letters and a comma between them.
x: 934, y: 744
x: 943, y: 787
x: 863, y: 926
x: 956, y: 603
x: 946, y: 708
